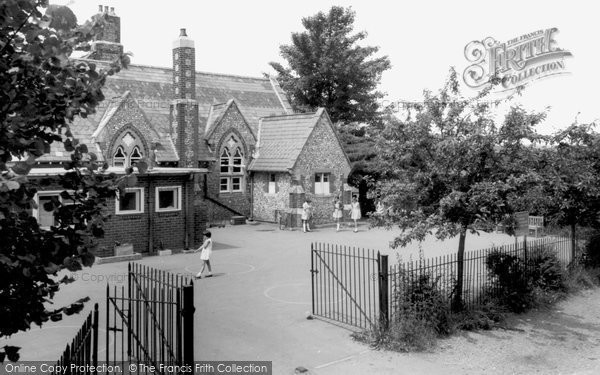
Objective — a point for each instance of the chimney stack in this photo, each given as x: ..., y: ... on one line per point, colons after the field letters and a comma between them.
x: 184, y: 107
x: 107, y: 43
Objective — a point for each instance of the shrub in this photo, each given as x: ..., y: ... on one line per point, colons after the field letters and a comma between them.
x: 520, y: 285
x: 592, y: 251
x: 420, y: 315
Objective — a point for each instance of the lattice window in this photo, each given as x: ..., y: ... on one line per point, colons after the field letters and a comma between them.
x: 232, y: 164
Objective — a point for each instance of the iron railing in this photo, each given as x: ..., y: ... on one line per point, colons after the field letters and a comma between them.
x: 152, y: 321
x: 83, y: 350
x: 356, y: 287
x: 345, y: 284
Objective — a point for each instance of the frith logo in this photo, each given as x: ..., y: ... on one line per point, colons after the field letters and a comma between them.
x: 516, y: 62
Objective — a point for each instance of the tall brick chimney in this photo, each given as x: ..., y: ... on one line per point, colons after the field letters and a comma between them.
x: 184, y: 107
x: 107, y: 43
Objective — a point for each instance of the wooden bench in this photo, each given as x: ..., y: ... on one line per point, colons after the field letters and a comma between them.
x: 536, y: 223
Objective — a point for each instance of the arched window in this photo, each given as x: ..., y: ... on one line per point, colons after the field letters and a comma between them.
x: 129, y: 150
x: 237, y: 161
x: 119, y: 158
x: 136, y: 155
x: 225, y: 159
x: 232, y: 164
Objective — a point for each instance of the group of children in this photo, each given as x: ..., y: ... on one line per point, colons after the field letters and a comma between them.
x: 206, y: 248
x: 338, y: 213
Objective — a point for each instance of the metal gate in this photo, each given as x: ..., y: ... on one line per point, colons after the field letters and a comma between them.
x: 152, y: 321
x: 349, y: 285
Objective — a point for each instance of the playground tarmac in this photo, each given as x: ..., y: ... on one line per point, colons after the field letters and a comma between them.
x: 256, y: 306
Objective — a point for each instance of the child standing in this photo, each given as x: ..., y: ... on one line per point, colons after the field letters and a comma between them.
x: 355, y: 213
x: 205, y: 254
x: 337, y: 212
x: 306, y: 208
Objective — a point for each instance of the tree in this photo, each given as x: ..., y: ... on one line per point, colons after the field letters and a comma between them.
x: 42, y: 90
x: 567, y: 176
x: 328, y: 68
x: 448, y: 169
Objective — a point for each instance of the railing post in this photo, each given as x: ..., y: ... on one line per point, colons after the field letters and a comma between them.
x: 312, y: 276
x: 188, y: 324
x: 384, y: 312
x: 95, y: 339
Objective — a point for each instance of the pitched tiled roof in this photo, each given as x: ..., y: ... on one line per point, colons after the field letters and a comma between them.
x: 281, y: 139
x: 166, y: 150
x: 215, y: 114
x: 152, y: 89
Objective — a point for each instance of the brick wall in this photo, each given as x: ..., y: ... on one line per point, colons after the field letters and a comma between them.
x: 151, y: 231
x: 107, y: 42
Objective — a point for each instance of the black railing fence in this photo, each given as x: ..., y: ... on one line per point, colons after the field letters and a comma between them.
x: 152, y: 320
x: 358, y: 288
x: 83, y: 350
x: 345, y: 287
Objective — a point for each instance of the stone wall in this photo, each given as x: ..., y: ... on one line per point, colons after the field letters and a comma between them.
x: 231, y: 123
x: 264, y: 205
x: 322, y: 153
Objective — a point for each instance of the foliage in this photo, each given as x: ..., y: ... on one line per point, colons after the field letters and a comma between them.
x: 447, y: 168
x: 327, y: 67
x: 592, y: 251
x: 420, y: 314
x: 520, y: 284
x: 42, y: 91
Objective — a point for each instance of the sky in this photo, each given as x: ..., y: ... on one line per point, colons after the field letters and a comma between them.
x: 422, y: 39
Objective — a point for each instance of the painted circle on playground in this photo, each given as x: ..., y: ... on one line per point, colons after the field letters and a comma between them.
x: 226, y: 268
x: 294, y: 293
x: 297, y: 294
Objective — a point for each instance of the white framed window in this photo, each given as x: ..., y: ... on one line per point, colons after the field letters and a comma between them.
x: 224, y: 184
x: 272, y: 183
x: 236, y: 184
x: 132, y: 202
x: 46, y: 217
x: 322, y: 184
x: 168, y: 198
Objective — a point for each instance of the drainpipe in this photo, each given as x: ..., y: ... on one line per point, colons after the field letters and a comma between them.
x: 251, y: 195
x: 186, y: 215
x: 150, y: 215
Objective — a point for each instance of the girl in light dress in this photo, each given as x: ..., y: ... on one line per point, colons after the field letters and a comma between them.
x: 337, y: 212
x: 206, y: 249
x: 306, y: 212
x: 355, y: 212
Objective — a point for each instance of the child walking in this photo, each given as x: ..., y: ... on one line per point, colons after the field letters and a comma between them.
x: 355, y: 213
x: 205, y: 254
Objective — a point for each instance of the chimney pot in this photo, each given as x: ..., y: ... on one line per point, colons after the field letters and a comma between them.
x: 182, y: 33
x: 106, y: 9
x: 100, y: 8
x: 112, y: 10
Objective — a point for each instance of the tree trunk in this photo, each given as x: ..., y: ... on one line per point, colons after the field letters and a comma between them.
x: 573, y: 243
x: 457, y: 303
